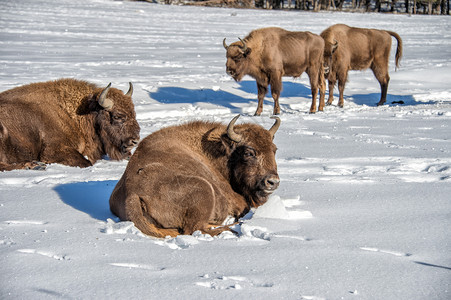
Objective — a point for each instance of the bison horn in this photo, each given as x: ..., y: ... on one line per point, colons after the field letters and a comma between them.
x: 231, y: 133
x: 244, y: 47
x: 130, y: 90
x: 335, y: 45
x: 274, y: 127
x: 224, y: 44
x: 103, y: 100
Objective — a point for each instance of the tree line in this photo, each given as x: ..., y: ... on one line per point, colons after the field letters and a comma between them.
x: 438, y: 7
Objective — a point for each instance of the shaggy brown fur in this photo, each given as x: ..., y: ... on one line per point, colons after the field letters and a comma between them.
x: 62, y: 122
x: 350, y: 48
x: 191, y: 177
x: 267, y: 54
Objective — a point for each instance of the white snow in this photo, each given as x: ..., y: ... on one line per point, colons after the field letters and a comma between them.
x: 364, y: 207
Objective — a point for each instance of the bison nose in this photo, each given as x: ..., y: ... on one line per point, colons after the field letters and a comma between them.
x: 134, y: 142
x: 271, y: 182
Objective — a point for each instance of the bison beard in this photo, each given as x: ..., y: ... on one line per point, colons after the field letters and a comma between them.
x: 193, y: 176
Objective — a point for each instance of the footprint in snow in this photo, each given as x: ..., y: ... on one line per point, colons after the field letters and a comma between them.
x: 395, y: 253
x: 229, y: 282
x: 137, y: 266
x: 44, y: 253
x: 25, y: 222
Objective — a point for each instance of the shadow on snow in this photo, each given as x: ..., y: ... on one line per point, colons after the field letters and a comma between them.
x: 373, y: 98
x: 230, y: 100
x: 226, y: 99
x: 90, y: 197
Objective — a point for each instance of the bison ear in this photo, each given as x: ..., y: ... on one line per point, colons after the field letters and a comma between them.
x: 247, y: 52
x: 228, y: 145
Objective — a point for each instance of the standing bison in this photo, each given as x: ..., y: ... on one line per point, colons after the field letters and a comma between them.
x: 350, y: 48
x: 267, y: 54
x: 191, y: 177
x: 65, y: 121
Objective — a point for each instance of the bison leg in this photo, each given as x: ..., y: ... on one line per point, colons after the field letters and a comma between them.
x: 383, y: 78
x: 66, y: 156
x: 322, y: 91
x: 276, y: 88
x: 24, y: 165
x: 331, y: 92
x: 262, y: 90
x: 214, y: 230
x: 342, y: 77
x: 314, y: 78
x: 136, y: 211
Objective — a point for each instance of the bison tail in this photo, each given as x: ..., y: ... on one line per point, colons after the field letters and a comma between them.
x: 398, y: 49
x: 135, y: 213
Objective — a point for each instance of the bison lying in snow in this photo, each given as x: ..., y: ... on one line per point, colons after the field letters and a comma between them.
x: 191, y: 177
x: 65, y: 121
x: 350, y: 48
x: 267, y: 54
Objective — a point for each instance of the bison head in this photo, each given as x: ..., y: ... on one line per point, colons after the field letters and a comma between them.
x: 252, y: 163
x: 329, y: 50
x: 237, y: 62
x: 116, y: 123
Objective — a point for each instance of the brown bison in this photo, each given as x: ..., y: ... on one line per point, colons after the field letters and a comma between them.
x: 191, y: 177
x: 267, y: 54
x: 65, y: 121
x: 350, y: 48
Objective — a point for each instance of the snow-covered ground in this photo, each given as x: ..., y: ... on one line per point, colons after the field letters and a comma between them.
x: 364, y: 206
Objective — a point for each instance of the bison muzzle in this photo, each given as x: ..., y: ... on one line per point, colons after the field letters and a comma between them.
x: 193, y: 176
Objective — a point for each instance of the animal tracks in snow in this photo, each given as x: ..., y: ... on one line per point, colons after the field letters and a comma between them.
x: 229, y: 282
x: 25, y: 222
x: 44, y: 253
x: 395, y: 253
x: 137, y: 266
x: 366, y: 170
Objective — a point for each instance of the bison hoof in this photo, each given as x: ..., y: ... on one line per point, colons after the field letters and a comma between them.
x: 380, y: 103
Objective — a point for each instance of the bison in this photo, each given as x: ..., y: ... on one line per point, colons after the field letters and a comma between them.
x: 350, y: 48
x: 267, y: 54
x: 193, y: 176
x: 66, y: 121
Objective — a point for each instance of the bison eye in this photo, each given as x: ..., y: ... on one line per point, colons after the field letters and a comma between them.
x: 117, y: 118
x: 238, y: 58
x: 249, y: 152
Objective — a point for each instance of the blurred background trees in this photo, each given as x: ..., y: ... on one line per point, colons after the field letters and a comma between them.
x: 386, y: 6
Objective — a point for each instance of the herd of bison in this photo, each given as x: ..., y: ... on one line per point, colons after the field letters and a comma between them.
x: 193, y: 176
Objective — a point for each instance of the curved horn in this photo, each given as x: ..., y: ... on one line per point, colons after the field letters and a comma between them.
x: 231, y: 133
x: 130, y: 90
x: 103, y: 100
x: 244, y: 47
x: 334, y: 46
x: 224, y: 44
x: 274, y: 127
